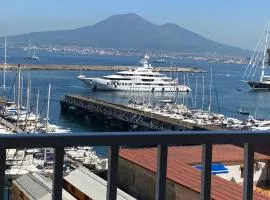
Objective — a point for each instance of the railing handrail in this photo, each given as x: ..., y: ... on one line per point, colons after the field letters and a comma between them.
x: 161, y: 139
x: 133, y: 138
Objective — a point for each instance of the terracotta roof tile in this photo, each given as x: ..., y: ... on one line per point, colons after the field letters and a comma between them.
x: 180, y: 171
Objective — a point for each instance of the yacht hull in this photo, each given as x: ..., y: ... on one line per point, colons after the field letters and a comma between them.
x: 258, y: 85
x: 105, y: 85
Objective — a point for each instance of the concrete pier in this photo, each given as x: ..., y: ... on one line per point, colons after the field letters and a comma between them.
x: 88, y: 106
x: 96, y: 68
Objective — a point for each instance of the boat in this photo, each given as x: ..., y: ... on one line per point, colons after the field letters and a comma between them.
x: 258, y: 60
x: 243, y: 112
x: 139, y: 78
x: 262, y: 126
x: 162, y: 60
x: 33, y: 57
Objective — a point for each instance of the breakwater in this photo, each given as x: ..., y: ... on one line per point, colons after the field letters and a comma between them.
x: 92, y: 107
x: 96, y: 68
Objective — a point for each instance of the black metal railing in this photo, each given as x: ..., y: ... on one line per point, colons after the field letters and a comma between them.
x: 160, y: 139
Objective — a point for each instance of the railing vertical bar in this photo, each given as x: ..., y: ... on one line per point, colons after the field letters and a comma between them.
x: 112, y: 173
x: 2, y: 171
x: 248, y: 171
x: 206, y: 171
x: 162, y: 154
x: 58, y: 173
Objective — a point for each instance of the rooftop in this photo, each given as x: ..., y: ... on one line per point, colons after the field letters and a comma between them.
x: 180, y: 171
x: 37, y: 187
x: 83, y: 179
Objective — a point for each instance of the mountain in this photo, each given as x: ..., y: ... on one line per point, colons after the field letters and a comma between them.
x: 132, y: 31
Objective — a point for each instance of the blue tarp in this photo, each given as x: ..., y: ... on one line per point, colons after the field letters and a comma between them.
x: 216, y: 168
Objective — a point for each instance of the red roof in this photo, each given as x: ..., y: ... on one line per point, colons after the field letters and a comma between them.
x: 179, y: 170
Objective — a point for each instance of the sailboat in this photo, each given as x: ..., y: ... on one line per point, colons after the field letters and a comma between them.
x: 258, y: 60
x: 34, y: 56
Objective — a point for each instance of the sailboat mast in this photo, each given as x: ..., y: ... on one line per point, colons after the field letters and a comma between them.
x: 210, y: 92
x: 264, y: 53
x: 21, y: 96
x: 28, y: 94
x: 29, y: 48
x: 202, y: 92
x: 195, y: 98
x: 14, y: 93
x: 37, y: 102
x: 19, y: 93
x: 5, y: 63
x: 48, y: 107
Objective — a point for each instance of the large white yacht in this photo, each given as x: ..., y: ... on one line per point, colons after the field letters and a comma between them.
x: 141, y: 78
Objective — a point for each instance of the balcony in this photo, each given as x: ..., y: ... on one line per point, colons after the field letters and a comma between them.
x: 133, y: 139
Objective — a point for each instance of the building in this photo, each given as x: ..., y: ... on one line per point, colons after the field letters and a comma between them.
x: 34, y: 186
x: 137, y: 168
x: 83, y: 184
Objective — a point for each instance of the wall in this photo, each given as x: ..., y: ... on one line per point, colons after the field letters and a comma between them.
x: 260, y: 173
x: 74, y: 191
x: 140, y: 183
x: 17, y: 194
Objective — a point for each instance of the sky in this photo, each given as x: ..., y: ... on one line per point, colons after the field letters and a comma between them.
x: 234, y: 22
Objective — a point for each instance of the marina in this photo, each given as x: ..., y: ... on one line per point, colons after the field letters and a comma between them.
x: 127, y: 110
x: 101, y: 105
x: 166, y: 117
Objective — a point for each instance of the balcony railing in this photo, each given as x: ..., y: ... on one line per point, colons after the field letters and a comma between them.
x: 160, y: 139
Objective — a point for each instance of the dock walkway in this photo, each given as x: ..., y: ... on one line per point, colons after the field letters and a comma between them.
x: 97, y: 68
x: 87, y: 105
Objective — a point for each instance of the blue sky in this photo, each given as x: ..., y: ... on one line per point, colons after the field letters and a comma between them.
x: 234, y: 22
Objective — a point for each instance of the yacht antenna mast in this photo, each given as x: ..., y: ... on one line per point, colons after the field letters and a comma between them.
x: 264, y: 53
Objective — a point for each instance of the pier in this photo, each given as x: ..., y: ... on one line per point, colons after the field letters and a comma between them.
x: 88, y: 106
x: 97, y: 68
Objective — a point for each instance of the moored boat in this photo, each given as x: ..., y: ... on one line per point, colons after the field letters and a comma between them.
x: 258, y: 60
x: 142, y: 78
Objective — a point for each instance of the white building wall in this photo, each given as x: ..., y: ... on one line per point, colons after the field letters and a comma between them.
x: 260, y: 172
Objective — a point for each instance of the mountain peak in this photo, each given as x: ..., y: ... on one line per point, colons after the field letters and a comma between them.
x: 128, y: 17
x: 133, y: 15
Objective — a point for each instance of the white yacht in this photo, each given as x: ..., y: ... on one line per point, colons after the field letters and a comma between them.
x: 141, y: 78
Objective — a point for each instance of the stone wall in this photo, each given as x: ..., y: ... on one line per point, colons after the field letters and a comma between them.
x: 140, y: 183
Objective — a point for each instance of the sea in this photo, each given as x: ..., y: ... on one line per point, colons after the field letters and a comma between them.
x: 225, y: 94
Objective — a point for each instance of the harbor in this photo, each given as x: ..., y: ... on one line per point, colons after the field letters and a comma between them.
x: 82, y: 108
